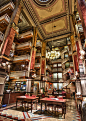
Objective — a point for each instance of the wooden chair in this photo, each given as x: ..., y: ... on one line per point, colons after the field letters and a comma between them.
x: 36, y: 101
x: 50, y: 105
x: 57, y: 106
x: 26, y: 104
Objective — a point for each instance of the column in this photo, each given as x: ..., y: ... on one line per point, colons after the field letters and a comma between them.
x: 43, y: 60
x: 32, y: 60
x: 33, y: 51
x: 10, y: 32
x: 74, y: 54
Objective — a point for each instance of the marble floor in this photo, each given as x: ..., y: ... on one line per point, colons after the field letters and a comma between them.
x: 71, y: 114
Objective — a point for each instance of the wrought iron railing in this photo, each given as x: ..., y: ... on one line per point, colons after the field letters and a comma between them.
x: 22, y: 57
x: 5, y: 17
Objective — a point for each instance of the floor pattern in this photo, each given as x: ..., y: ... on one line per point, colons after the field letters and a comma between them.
x: 11, y: 114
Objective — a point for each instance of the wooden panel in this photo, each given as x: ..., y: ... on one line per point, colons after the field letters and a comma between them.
x: 8, y: 42
x: 11, y: 97
x: 73, y: 43
x: 17, y: 15
x: 43, y: 49
x: 43, y: 66
x: 33, y: 59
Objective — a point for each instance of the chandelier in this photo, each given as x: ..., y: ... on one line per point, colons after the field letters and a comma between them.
x: 53, y: 54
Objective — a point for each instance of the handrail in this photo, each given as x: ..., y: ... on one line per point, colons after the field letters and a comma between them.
x: 9, y: 5
x: 6, y: 17
x: 22, y: 57
x: 25, y: 44
x: 1, y: 36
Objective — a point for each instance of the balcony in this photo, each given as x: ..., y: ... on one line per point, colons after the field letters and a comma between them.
x: 39, y: 44
x: 47, y: 48
x: 57, y: 61
x: 13, y: 46
x: 71, y: 64
x: 37, y: 65
x: 57, y: 70
x: 38, y: 55
x: 65, y: 60
x: 65, y: 70
x: 48, y: 78
x: 7, y: 9
x: 57, y: 80
x: 64, y: 51
x: 38, y: 77
x: 70, y: 53
x: 1, y: 36
x: 4, y: 21
x: 25, y: 36
x: 21, y: 58
x: 25, y: 45
x: 18, y: 74
x: 48, y: 68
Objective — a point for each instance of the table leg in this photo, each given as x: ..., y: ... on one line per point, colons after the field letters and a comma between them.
x: 22, y: 105
x: 36, y: 104
x: 45, y: 106
x: 41, y: 107
x: 31, y: 106
x: 16, y: 104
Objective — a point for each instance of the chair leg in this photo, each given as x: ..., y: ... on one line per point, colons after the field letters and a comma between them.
x: 55, y: 110
x: 52, y: 109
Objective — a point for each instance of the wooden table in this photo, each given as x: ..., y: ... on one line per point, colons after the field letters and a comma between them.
x: 54, y: 102
x: 27, y: 99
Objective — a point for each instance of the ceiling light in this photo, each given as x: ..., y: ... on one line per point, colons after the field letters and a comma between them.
x: 81, y: 57
x: 82, y: 52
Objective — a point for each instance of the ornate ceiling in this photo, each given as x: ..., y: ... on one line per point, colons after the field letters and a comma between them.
x: 52, y: 17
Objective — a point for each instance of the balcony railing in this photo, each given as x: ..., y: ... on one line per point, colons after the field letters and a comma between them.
x: 65, y: 60
x: 57, y: 69
x: 18, y: 74
x: 70, y: 52
x: 48, y: 67
x: 9, y: 6
x: 25, y: 35
x: 47, y: 48
x: 39, y: 44
x: 13, y: 46
x: 38, y: 77
x: 56, y: 80
x: 5, y: 18
x: 71, y: 64
x: 57, y: 61
x: 1, y: 36
x: 64, y: 51
x: 21, y: 58
x: 37, y: 65
x: 65, y: 70
x: 24, y: 45
x: 38, y: 54
x: 48, y: 78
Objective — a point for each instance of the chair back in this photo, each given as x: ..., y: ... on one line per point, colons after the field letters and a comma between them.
x: 26, y: 95
x: 60, y: 97
x: 43, y: 95
x: 51, y: 96
x: 33, y: 95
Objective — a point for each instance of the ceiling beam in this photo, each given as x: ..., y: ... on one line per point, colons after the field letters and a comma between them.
x: 58, y: 37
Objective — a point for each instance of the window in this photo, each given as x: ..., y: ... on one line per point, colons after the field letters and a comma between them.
x: 54, y: 65
x: 54, y: 75
x: 59, y: 65
x: 59, y: 75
